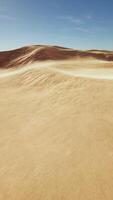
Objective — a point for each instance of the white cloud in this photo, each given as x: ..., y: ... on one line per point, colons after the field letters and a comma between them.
x: 2, y: 9
x: 4, y: 14
x: 84, y: 24
x: 7, y: 17
x: 76, y: 20
x: 81, y: 29
x: 88, y: 17
x: 71, y: 19
x: 80, y: 24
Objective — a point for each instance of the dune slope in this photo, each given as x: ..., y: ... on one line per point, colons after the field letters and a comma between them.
x: 56, y: 131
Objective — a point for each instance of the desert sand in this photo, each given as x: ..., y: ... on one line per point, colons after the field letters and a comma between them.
x: 56, y: 124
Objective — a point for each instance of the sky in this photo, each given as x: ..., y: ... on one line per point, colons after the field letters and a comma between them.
x: 79, y: 24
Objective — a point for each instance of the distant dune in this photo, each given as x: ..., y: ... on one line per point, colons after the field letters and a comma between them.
x: 36, y: 53
x: 56, y: 124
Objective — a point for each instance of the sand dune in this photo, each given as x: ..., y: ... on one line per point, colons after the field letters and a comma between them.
x: 56, y: 126
x: 31, y: 54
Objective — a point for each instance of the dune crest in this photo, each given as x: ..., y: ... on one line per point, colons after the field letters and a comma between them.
x: 30, y: 54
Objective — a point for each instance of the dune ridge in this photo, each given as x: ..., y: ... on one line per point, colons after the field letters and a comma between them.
x: 34, y: 53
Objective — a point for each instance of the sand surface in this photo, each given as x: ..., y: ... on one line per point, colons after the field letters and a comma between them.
x: 56, y: 131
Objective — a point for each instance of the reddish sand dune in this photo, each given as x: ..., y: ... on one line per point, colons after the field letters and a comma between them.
x: 35, y: 53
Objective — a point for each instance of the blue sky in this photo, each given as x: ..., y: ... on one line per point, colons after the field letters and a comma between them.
x: 81, y: 24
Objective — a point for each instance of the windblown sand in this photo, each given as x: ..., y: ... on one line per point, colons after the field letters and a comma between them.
x: 56, y: 131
